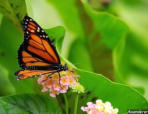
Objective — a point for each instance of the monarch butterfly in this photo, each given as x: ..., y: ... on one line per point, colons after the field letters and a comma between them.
x: 37, y: 55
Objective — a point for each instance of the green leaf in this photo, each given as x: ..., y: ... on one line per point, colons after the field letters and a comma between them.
x: 140, y: 89
x: 4, y: 80
x: 130, y: 57
x: 14, y: 11
x: 69, y: 13
x: 56, y: 34
x: 1, y: 17
x: 136, y: 63
x: 137, y: 10
x: 111, y: 29
x: 18, y: 7
x: 28, y: 103
x: 10, y: 42
x: 120, y: 96
x: 79, y: 55
x: 103, y: 31
x: 132, y: 69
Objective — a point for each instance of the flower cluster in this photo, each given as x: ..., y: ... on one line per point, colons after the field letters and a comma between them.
x: 99, y: 108
x: 58, y: 83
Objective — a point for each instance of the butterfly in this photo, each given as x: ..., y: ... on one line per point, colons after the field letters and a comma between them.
x: 37, y: 55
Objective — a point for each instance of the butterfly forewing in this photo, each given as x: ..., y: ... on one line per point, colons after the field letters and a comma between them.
x: 36, y: 51
x: 26, y: 59
x: 37, y: 40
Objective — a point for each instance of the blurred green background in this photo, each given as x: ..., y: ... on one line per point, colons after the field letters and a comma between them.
x: 109, y: 37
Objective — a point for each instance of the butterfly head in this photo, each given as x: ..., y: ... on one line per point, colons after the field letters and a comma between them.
x: 63, y: 67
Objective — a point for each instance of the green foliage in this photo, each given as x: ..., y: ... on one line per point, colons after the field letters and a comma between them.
x: 110, y: 28
x: 4, y: 80
x: 119, y: 95
x: 66, y: 9
x: 10, y: 41
x: 133, y: 69
x: 56, y: 33
x: 14, y: 10
x: 105, y: 33
x: 93, y: 40
x: 28, y: 103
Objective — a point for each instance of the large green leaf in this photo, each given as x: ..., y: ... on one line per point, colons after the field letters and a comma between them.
x: 120, y: 96
x: 79, y: 55
x: 10, y: 41
x: 28, y: 103
x: 110, y: 28
x: 130, y: 57
x: 132, y: 69
x: 103, y: 31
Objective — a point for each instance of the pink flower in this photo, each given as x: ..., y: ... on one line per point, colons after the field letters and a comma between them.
x: 99, y: 108
x: 64, y: 89
x: 72, y: 81
x: 53, y: 93
x: 64, y: 80
x: 84, y: 109
x: 44, y: 89
x: 58, y: 84
x: 93, y: 111
x: 40, y: 80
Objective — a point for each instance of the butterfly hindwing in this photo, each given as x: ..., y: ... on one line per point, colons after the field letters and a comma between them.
x: 23, y: 74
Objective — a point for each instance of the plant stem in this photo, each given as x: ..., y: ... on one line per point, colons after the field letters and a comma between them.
x: 76, y: 104
x: 59, y: 103
x: 66, y: 103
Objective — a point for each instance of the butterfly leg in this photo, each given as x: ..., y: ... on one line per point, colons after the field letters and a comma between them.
x: 59, y: 79
x: 49, y: 76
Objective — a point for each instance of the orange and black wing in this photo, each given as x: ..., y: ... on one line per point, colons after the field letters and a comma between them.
x: 36, y: 55
x: 37, y: 49
x: 24, y: 74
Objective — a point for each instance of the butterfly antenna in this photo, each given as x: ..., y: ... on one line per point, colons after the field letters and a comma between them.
x: 49, y: 76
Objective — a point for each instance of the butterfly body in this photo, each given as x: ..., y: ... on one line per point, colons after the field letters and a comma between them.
x: 37, y: 55
x: 57, y: 67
